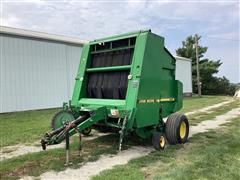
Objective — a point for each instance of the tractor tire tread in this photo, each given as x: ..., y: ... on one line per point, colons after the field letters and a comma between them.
x: 172, y: 128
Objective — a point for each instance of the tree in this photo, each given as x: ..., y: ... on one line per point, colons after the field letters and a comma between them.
x: 208, y: 68
x: 188, y: 49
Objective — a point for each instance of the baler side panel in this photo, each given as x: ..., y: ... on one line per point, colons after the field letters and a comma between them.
x: 136, y: 70
x: 156, y: 89
x: 179, y: 96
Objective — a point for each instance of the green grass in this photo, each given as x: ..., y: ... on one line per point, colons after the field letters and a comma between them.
x: 194, y: 103
x: 35, y: 164
x: 24, y: 127
x: 199, y: 117
x: 210, y: 155
x: 29, y: 126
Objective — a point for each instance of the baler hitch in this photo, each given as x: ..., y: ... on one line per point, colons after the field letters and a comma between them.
x: 75, y: 126
x: 58, y: 135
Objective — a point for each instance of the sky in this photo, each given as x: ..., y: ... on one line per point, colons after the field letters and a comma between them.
x: 216, y: 21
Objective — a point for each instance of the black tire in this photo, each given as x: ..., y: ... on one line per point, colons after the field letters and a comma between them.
x: 177, y: 129
x: 87, y: 131
x: 158, y: 141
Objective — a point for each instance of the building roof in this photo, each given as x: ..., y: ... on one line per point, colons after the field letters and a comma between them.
x: 40, y: 35
x: 182, y: 58
x: 53, y: 37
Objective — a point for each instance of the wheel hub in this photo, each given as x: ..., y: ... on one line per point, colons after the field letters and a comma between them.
x: 162, y: 141
x: 183, y: 128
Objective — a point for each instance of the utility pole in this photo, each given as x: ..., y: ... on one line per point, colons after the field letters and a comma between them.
x: 198, y: 73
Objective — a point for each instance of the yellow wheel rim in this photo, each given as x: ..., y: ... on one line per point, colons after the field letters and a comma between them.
x: 183, y: 128
x: 162, y: 141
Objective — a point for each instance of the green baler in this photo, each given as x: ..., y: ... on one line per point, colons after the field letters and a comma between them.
x: 126, y: 83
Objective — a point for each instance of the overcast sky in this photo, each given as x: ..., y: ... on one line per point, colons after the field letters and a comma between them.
x: 216, y: 21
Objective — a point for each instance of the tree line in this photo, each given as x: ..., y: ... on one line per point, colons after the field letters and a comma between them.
x: 208, y: 68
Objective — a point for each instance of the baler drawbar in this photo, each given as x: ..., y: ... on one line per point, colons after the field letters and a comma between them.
x: 126, y: 83
x: 77, y: 125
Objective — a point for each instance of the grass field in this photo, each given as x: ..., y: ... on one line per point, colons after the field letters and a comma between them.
x: 24, y: 127
x: 211, y: 155
x: 37, y: 163
x: 198, y: 117
x: 194, y: 103
x: 29, y: 126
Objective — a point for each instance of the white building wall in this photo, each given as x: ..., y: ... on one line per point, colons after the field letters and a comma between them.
x: 73, y: 59
x: 184, y: 73
x: 36, y: 74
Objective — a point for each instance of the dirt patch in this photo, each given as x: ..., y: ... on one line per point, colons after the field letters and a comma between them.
x: 93, y: 168
x: 214, y: 123
x: 8, y: 150
x: 18, y: 150
x: 22, y: 150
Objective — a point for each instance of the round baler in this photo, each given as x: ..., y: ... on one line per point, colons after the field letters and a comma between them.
x: 125, y: 83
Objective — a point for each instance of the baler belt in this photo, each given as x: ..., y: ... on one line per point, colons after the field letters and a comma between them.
x: 109, y: 85
x: 114, y: 58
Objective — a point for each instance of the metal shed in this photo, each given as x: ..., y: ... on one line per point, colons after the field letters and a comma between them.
x: 37, y: 70
x: 184, y: 74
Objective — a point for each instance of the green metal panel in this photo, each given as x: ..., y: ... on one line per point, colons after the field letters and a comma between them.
x: 100, y: 113
x: 100, y: 102
x: 118, y: 37
x: 112, y: 68
x: 80, y: 80
x: 156, y: 82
